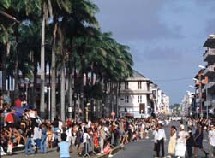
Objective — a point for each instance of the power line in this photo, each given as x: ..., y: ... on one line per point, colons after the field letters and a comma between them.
x: 173, y: 80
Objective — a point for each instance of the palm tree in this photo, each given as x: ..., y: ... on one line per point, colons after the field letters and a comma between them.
x: 72, y: 26
x: 13, y: 10
x: 6, y: 24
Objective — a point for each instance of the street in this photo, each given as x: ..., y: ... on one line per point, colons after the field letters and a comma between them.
x: 137, y: 149
x: 144, y: 148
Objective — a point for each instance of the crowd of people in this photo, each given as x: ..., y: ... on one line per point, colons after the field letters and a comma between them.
x: 186, y: 140
x: 34, y: 135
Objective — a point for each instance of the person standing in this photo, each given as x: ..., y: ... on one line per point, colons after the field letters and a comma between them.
x: 37, y: 136
x: 28, y: 143
x: 180, y: 149
x: 172, y: 141
x: 189, y: 143
x: 198, y: 140
x: 160, y: 137
x: 211, y: 136
x: 64, y: 147
x: 43, y: 146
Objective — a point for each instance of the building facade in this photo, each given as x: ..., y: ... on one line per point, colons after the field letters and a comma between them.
x: 209, y: 72
x: 140, y: 97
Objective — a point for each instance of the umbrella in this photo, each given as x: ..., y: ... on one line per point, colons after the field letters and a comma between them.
x: 19, y: 110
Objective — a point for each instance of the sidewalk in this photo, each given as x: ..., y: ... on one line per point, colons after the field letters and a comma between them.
x: 52, y: 153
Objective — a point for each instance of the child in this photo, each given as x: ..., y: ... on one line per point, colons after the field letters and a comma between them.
x: 64, y: 147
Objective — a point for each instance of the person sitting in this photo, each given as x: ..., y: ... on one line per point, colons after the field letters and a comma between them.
x: 107, y: 148
x: 18, y: 136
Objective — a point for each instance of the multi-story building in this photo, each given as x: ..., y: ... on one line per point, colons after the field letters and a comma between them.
x: 140, y: 97
x: 186, y: 104
x: 200, y: 94
x: 209, y: 72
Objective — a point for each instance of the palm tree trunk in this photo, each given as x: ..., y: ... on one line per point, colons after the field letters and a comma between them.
x: 35, y: 82
x: 4, y: 76
x: 62, y: 93
x: 63, y: 80
x: 16, y: 76
x: 53, y: 77
x: 70, y: 85
x: 42, y: 75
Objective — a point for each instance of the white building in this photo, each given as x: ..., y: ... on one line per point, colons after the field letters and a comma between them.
x: 163, y: 102
x: 186, y: 104
x: 135, y: 96
x: 140, y: 97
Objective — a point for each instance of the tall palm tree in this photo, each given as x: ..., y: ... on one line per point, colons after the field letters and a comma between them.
x: 16, y: 12
x: 73, y: 26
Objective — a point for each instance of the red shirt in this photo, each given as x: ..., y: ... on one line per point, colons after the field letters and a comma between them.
x: 9, y: 118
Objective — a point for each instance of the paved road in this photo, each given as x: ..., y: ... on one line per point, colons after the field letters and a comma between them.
x: 138, y: 149
x: 144, y: 148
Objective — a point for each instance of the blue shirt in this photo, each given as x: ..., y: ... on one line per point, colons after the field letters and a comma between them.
x: 64, y: 149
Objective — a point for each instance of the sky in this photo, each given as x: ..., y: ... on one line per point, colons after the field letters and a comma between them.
x: 166, y: 37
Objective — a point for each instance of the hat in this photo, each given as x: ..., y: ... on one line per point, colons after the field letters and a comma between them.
x: 182, y: 127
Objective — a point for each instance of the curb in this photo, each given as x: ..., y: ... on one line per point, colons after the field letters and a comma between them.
x: 114, y: 151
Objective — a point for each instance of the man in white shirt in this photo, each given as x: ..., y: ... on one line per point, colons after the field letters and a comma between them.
x: 160, y: 137
x: 37, y: 136
x: 211, y: 136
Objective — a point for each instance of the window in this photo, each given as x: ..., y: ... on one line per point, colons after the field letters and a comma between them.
x: 126, y: 85
x: 140, y: 85
x: 142, y: 108
x: 126, y: 99
x: 139, y: 98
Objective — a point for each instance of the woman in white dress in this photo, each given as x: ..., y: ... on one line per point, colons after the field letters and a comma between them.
x: 180, y: 149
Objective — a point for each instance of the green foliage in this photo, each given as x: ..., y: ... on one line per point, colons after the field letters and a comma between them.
x: 84, y: 45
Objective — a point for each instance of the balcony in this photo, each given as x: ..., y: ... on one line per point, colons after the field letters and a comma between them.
x: 209, y: 102
x: 209, y: 54
x: 210, y: 85
x: 209, y: 71
x: 138, y: 91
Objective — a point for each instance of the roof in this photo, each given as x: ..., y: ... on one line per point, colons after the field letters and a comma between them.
x: 137, y: 74
x: 210, y: 42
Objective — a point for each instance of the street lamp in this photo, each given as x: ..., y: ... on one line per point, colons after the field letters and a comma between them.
x: 26, y: 81
x: 48, y: 90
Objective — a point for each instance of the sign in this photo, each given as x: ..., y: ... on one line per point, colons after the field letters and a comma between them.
x: 69, y: 109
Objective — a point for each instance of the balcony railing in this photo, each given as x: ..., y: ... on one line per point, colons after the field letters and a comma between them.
x: 209, y: 102
x: 209, y: 53
x: 209, y: 70
x: 139, y: 91
x: 209, y: 85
